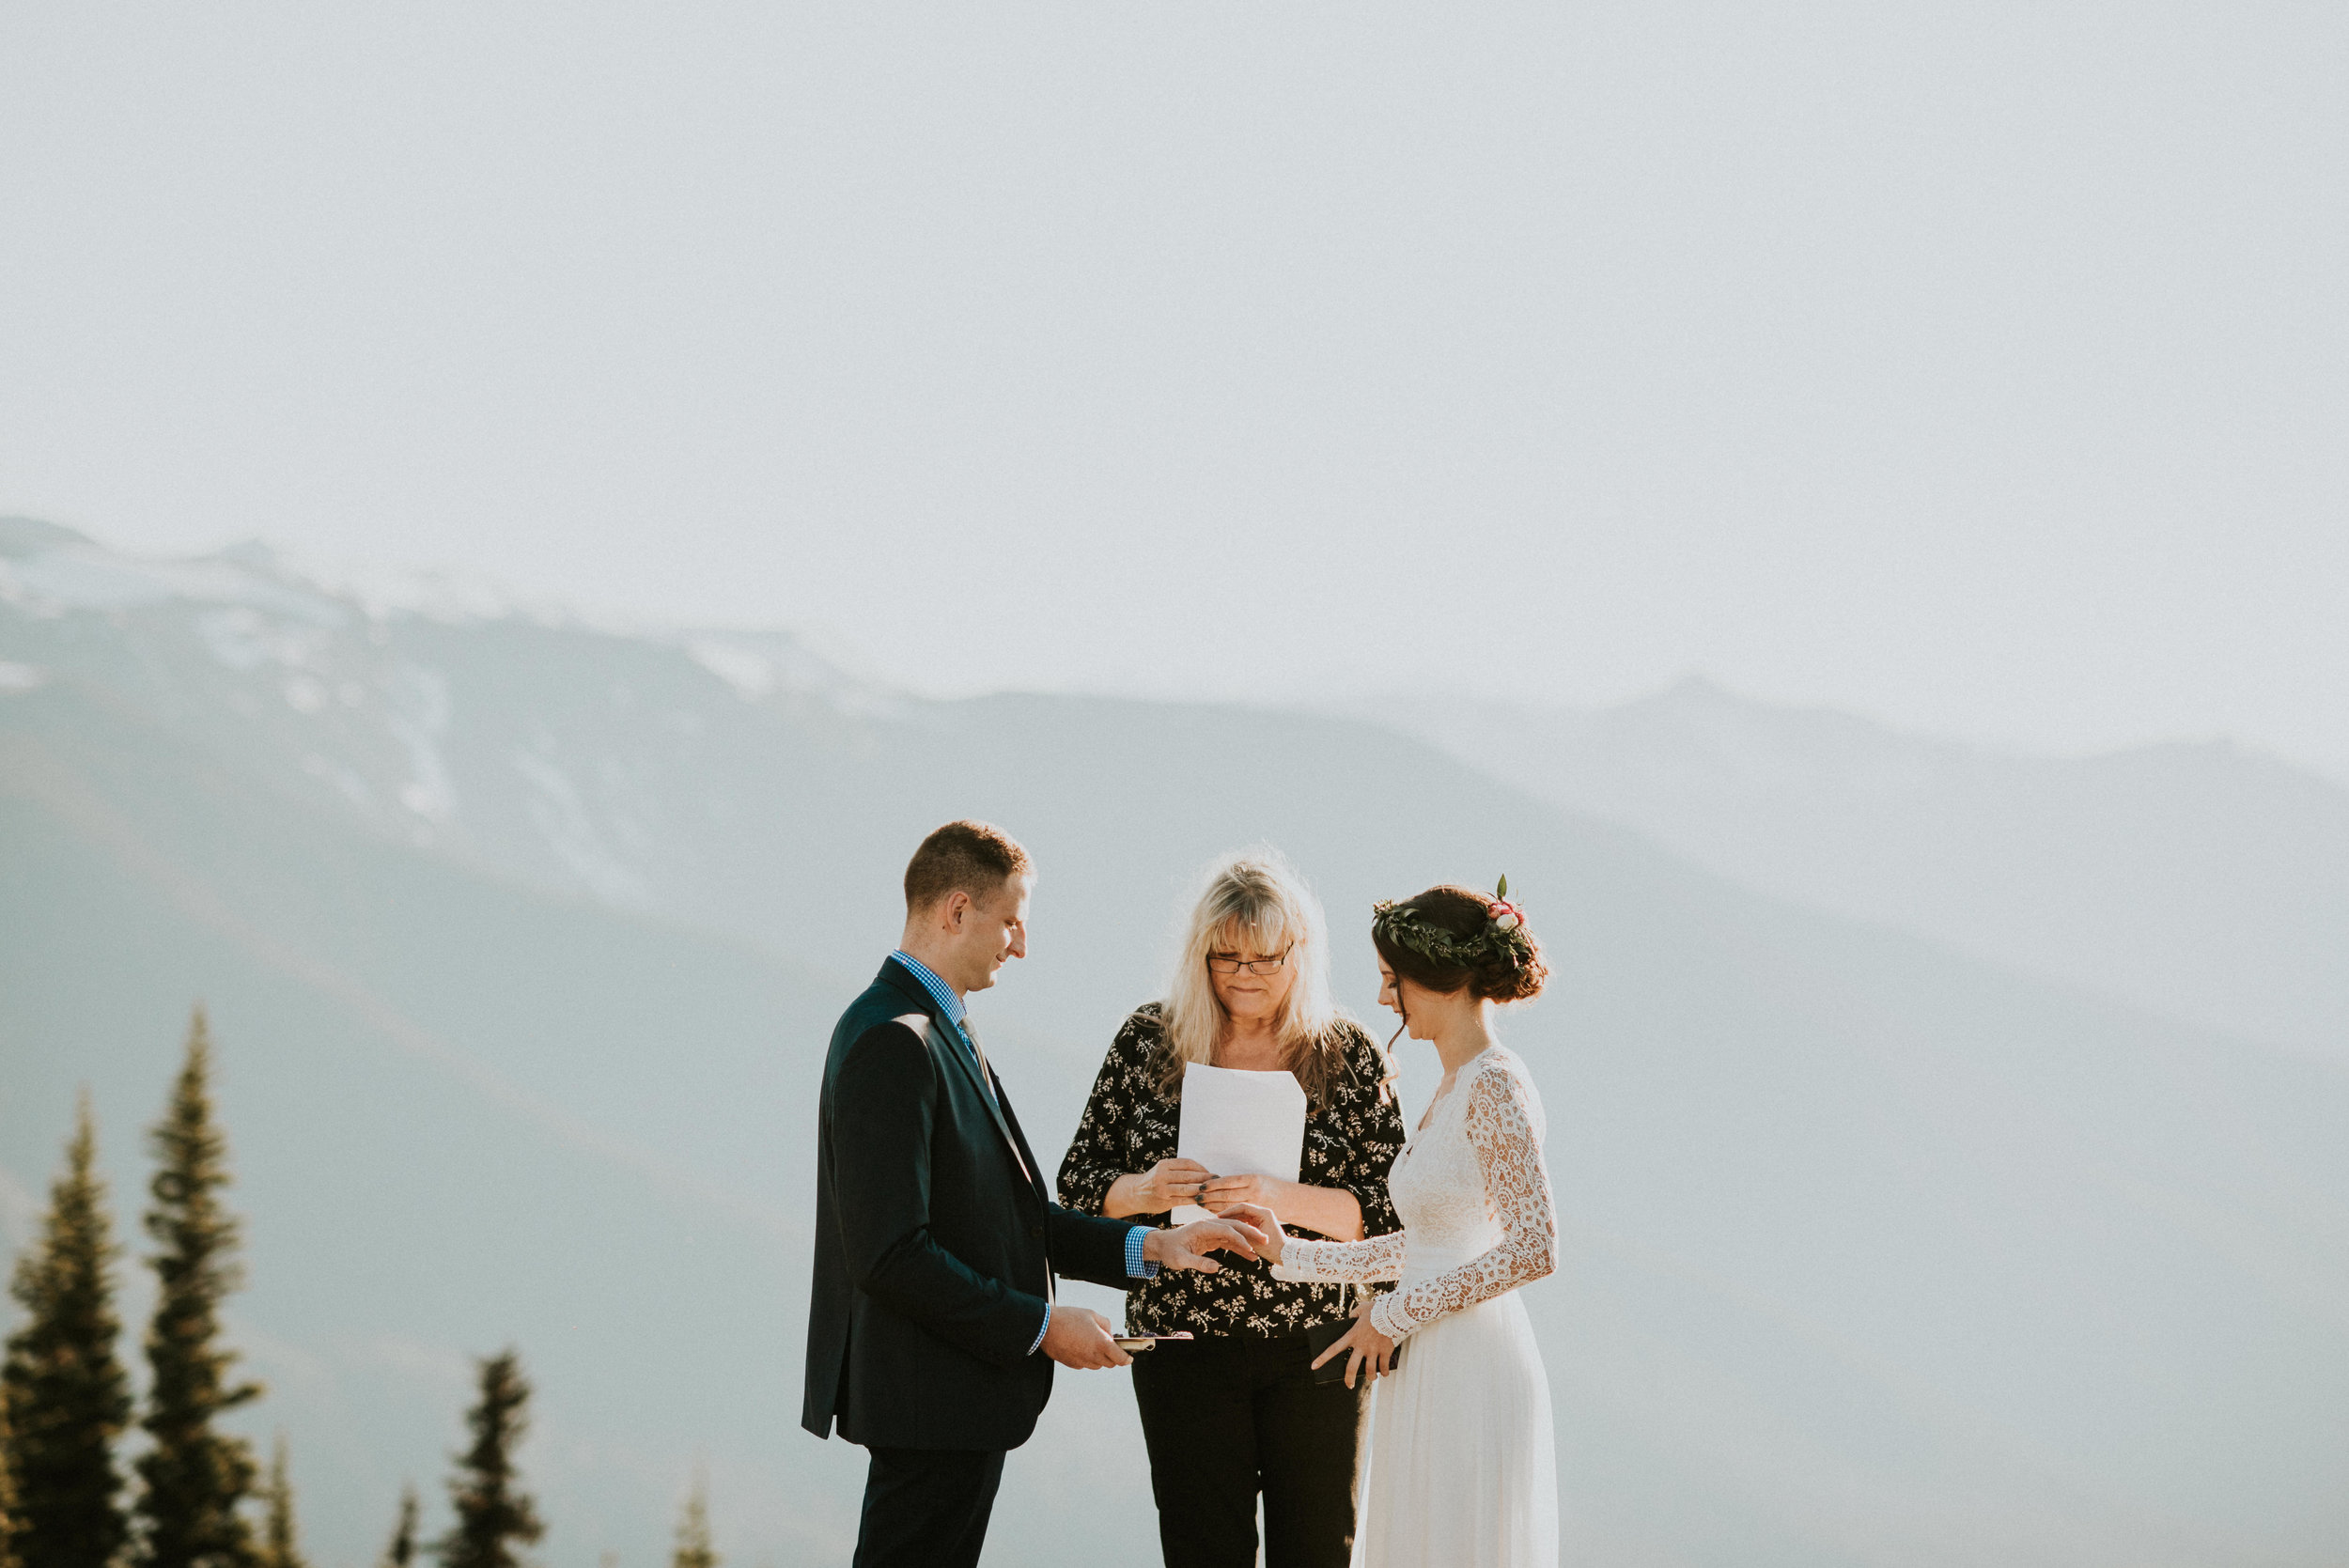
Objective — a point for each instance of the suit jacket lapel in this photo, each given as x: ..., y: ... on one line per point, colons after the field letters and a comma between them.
x: 948, y: 1041
x: 1019, y: 1142
x: 952, y: 1044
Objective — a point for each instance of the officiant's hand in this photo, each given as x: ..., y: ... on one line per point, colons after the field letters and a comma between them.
x: 1221, y: 1192
x: 1187, y: 1246
x: 1081, y: 1339
x: 1165, y: 1186
x: 1366, y: 1348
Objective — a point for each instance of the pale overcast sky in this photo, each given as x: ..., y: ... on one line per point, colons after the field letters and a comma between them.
x: 1984, y: 365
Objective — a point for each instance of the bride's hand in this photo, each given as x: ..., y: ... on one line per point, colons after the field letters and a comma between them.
x: 1363, y: 1346
x: 1264, y: 1219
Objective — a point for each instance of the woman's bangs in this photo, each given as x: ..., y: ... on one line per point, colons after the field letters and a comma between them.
x: 1264, y: 929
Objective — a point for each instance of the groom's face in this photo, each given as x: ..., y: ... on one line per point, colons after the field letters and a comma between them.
x: 990, y: 931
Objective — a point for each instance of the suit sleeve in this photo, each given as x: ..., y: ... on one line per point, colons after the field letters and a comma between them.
x: 1089, y: 1248
x: 885, y: 1097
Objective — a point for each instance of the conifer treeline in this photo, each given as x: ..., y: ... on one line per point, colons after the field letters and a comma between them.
x: 7, y: 1493
x: 65, y: 1401
x: 195, y: 1476
x: 66, y: 1396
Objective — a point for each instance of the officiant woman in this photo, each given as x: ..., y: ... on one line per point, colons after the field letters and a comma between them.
x: 1235, y: 1410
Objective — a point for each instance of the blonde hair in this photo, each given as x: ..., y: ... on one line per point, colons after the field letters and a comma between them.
x: 1256, y: 899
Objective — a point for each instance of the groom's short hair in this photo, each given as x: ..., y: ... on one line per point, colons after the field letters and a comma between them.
x: 975, y: 858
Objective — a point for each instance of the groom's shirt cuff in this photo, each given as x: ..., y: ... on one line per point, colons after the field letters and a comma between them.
x: 1137, y: 1267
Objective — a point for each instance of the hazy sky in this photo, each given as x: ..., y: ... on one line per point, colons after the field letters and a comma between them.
x: 1985, y: 366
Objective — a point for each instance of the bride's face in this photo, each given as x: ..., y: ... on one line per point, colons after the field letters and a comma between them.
x: 1413, y: 1013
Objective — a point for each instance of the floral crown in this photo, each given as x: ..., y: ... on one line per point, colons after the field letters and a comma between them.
x: 1504, y: 934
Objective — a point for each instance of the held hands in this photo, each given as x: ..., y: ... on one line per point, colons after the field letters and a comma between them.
x: 1363, y: 1347
x: 1082, y: 1340
x: 1186, y: 1246
x: 1260, y: 1219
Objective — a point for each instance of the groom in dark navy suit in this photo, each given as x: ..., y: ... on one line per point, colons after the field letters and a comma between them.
x: 932, y: 1330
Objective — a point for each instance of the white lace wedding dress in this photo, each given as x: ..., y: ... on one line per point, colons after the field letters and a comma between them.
x: 1460, y: 1469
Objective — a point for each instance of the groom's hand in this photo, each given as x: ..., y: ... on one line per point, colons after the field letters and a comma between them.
x: 1081, y: 1339
x: 1187, y: 1246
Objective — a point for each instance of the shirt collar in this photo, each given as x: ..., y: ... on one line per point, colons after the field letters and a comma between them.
x: 948, y: 1003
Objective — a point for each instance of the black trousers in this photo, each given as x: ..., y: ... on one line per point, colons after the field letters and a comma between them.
x: 1227, y: 1418
x: 927, y: 1508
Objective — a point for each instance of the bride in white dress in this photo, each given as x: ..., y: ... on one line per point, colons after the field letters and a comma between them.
x: 1460, y: 1469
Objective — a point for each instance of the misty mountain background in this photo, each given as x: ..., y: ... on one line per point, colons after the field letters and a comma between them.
x: 1949, y: 1143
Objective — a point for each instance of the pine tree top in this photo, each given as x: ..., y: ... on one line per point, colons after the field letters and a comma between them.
x: 196, y: 1477
x: 280, y: 1547
x: 66, y: 1395
x: 64, y: 1283
x: 186, y: 1218
x: 494, y: 1516
x: 693, y: 1547
x: 401, y: 1549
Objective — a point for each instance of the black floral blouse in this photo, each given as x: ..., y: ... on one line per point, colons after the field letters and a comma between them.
x: 1128, y: 1127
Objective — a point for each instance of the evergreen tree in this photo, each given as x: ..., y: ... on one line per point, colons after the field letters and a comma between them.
x: 66, y: 1395
x: 693, y: 1549
x: 196, y: 1478
x: 401, y: 1550
x: 280, y: 1548
x: 495, y: 1518
x: 8, y: 1492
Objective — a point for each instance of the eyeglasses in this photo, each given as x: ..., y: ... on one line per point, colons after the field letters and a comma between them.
x: 1248, y: 966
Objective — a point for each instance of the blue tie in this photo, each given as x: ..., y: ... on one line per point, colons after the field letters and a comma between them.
x: 987, y: 1075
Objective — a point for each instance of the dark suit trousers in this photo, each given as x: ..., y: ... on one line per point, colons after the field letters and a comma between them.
x: 1225, y: 1418
x: 927, y: 1508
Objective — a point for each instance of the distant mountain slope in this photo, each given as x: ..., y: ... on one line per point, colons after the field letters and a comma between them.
x: 2203, y: 880
x: 461, y: 1115
x: 1877, y: 1254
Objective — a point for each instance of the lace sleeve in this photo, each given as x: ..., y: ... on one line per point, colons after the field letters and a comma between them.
x: 1501, y: 1122
x: 1342, y: 1263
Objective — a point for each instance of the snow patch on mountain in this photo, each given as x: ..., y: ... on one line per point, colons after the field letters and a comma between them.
x: 757, y: 664
x: 242, y: 639
x: 343, y: 778
x: 562, y: 817
x: 418, y: 716
x: 751, y: 676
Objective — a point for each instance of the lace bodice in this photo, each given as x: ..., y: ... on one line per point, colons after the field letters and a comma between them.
x: 1474, y: 1200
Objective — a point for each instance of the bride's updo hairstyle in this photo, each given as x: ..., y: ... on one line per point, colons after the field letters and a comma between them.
x: 1452, y: 938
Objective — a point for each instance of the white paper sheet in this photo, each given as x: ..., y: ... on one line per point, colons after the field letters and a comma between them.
x: 1239, y: 1123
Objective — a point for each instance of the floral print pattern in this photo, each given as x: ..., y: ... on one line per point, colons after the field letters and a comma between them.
x: 1128, y: 1127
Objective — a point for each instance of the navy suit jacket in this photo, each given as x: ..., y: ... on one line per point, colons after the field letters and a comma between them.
x: 935, y: 1245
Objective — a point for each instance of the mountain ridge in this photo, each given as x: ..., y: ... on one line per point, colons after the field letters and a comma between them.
x: 2205, y: 880
x: 1861, y: 1230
